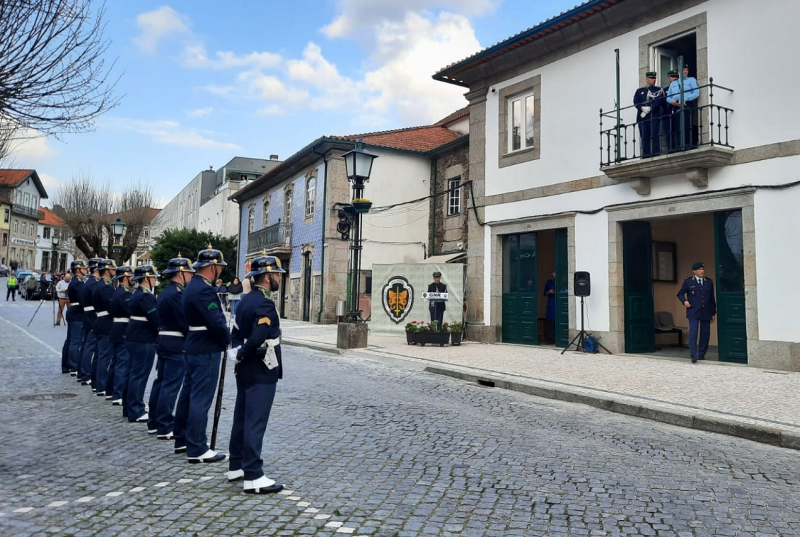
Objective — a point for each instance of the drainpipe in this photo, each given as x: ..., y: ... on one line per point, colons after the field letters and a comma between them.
x: 434, y: 174
x: 324, y: 215
x: 239, y: 245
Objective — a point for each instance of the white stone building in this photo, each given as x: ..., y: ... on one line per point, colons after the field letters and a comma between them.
x: 566, y: 197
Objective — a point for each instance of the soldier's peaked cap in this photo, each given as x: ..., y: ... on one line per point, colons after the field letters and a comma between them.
x: 106, y: 264
x: 144, y: 271
x: 123, y: 271
x: 93, y: 262
x: 264, y: 265
x: 178, y: 264
x: 78, y: 263
x: 651, y: 74
x: 209, y: 256
x: 698, y: 266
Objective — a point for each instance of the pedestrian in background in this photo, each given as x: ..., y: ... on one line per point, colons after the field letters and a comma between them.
x: 63, y: 299
x: 30, y: 287
x: 697, y: 295
x: 550, y: 311
x: 11, y: 287
x: 235, y: 290
x: 222, y: 292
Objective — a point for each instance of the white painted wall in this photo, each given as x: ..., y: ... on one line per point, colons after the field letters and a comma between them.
x: 591, y: 254
x: 219, y: 215
x: 575, y: 89
x: 397, y: 178
x: 777, y: 260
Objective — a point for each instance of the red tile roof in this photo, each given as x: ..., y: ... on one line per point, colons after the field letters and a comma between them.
x: 420, y: 139
x: 51, y: 218
x: 13, y: 177
x: 455, y: 116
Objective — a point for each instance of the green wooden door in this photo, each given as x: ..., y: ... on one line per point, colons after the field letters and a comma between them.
x: 519, y: 289
x: 731, y: 319
x: 562, y: 289
x: 638, y: 291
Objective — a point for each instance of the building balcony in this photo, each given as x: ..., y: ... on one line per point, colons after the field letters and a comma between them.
x: 27, y: 211
x: 687, y: 140
x: 275, y: 239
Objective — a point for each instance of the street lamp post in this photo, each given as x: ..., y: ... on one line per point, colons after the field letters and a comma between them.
x: 118, y: 228
x: 54, y: 241
x: 358, y: 164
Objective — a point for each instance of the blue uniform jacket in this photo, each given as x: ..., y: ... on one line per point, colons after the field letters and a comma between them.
x: 550, y: 311
x: 74, y: 292
x: 170, y: 315
x: 691, y: 91
x: 439, y: 305
x: 101, y: 300
x: 202, y: 309
x: 652, y: 96
x: 143, y: 327
x: 703, y: 305
x: 256, y: 321
x: 89, y: 316
x: 120, y: 308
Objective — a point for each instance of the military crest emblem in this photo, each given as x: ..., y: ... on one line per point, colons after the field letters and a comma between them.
x: 398, y: 298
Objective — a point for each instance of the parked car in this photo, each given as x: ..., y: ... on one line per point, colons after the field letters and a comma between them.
x: 4, y: 270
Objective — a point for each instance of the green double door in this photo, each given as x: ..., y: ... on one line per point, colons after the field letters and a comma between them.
x: 729, y: 286
x: 522, y: 288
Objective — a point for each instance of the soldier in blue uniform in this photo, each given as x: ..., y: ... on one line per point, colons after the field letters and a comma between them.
x: 140, y: 339
x: 437, y: 307
x: 101, y: 300
x: 207, y: 339
x: 75, y: 314
x: 256, y: 341
x: 171, y: 366
x: 120, y: 310
x: 89, y: 345
x: 650, y: 101
x: 697, y: 294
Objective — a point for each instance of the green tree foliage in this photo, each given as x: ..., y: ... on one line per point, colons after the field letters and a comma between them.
x: 188, y: 242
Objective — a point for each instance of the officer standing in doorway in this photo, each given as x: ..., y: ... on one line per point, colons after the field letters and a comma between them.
x: 75, y: 314
x: 256, y: 341
x: 171, y: 366
x: 649, y: 102
x: 697, y: 295
x: 437, y: 307
x: 207, y: 339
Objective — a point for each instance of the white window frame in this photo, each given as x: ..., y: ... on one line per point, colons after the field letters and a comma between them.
x: 454, y: 196
x: 15, y: 225
x: 287, y: 205
x: 265, y: 212
x: 527, y: 105
x: 311, y: 196
x: 251, y: 218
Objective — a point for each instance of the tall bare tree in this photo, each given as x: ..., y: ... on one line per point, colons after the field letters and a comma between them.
x: 90, y: 210
x: 53, y: 75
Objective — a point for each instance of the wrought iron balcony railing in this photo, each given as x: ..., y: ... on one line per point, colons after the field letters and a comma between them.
x: 670, y: 130
x: 275, y: 236
x: 27, y: 211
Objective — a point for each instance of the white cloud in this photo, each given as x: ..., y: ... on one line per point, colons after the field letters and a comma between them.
x: 51, y: 185
x: 360, y: 17
x: 166, y: 131
x: 195, y: 56
x: 200, y: 112
x: 28, y: 149
x: 157, y: 25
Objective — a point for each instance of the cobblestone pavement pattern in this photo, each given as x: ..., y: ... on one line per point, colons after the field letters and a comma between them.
x: 371, y: 446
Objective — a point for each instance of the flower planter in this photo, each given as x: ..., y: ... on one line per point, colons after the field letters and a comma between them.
x: 411, y: 338
x: 362, y: 206
x: 455, y: 338
x: 434, y: 338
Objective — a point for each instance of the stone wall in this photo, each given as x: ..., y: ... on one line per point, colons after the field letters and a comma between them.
x: 450, y: 232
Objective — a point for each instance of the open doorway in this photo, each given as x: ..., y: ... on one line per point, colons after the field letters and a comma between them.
x: 657, y: 256
x: 664, y: 56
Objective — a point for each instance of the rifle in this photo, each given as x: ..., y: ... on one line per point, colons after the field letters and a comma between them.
x: 220, y: 388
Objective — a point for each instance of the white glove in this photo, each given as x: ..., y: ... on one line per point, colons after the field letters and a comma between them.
x: 645, y: 110
x: 233, y: 352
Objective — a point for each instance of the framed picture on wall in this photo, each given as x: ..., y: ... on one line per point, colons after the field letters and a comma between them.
x: 665, y: 267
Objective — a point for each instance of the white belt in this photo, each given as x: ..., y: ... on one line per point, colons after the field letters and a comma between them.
x: 71, y: 304
x: 197, y: 328
x: 102, y: 313
x: 170, y: 333
x: 135, y: 318
x: 269, y: 343
x: 88, y: 308
x: 121, y: 319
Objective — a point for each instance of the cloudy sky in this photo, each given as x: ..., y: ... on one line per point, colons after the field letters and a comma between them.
x: 203, y: 81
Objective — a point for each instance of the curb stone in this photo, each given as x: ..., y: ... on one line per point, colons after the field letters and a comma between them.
x: 757, y: 433
x: 313, y: 346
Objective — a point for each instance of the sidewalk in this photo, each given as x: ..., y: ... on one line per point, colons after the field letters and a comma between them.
x: 758, y: 404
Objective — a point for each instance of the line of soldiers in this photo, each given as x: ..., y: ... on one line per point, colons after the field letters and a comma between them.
x: 116, y: 326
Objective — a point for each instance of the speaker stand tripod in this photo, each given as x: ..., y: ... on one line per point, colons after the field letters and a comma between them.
x: 580, y: 338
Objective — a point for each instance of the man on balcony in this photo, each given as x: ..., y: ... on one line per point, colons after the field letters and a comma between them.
x: 691, y: 93
x: 649, y: 102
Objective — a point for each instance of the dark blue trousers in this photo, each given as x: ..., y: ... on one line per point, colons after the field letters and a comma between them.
x: 191, y: 416
x: 704, y: 327
x: 171, y: 369
x: 112, y: 370
x: 65, y: 352
x: 105, y: 353
x: 75, y: 337
x: 122, y: 373
x: 250, y: 417
x: 436, y: 315
x: 88, y: 352
x: 142, y: 356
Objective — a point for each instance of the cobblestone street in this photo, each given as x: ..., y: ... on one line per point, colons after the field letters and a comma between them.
x: 371, y: 445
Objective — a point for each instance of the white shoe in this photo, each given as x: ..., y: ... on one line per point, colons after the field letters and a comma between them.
x: 262, y: 485
x: 117, y: 402
x: 143, y: 418
x: 152, y: 431
x: 234, y: 475
x: 167, y: 436
x: 208, y: 456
